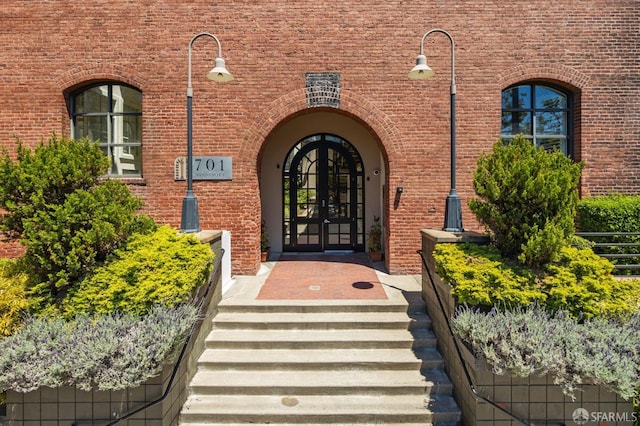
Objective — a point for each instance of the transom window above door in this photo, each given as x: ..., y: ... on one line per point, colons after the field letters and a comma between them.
x: 112, y: 115
x: 542, y: 113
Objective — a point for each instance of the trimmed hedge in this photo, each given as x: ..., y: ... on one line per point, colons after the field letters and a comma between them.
x: 612, y: 213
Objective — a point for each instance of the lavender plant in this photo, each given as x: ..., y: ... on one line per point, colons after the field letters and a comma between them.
x: 532, y: 341
x: 108, y: 352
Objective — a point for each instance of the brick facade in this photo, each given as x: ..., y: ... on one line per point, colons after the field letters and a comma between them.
x: 591, y: 48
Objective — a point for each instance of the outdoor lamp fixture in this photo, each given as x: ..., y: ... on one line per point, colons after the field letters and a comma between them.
x: 190, y: 218
x: 453, y: 208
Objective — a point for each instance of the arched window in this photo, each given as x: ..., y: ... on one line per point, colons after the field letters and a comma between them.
x: 112, y: 115
x: 542, y: 113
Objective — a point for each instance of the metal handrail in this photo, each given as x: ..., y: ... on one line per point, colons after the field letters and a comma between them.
x: 200, y: 317
x: 472, y: 386
x: 615, y: 244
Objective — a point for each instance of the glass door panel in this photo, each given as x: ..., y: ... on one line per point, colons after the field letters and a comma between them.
x: 339, y: 197
x: 306, y: 203
x: 323, y: 196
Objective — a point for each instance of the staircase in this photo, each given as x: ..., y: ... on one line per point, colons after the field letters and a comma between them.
x: 321, y: 362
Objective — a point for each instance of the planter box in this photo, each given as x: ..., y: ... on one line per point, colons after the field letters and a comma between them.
x: 533, y: 399
x: 65, y: 406
x: 264, y: 255
x: 375, y: 256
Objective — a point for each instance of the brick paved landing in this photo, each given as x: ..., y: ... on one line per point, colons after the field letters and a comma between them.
x: 322, y: 276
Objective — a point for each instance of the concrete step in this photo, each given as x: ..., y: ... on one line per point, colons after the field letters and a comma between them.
x: 318, y: 382
x: 321, y: 362
x: 320, y: 409
x: 309, y: 306
x: 363, y: 423
x: 311, y: 359
x: 319, y: 339
x: 322, y: 320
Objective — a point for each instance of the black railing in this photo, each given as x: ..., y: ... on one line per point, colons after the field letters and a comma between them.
x: 201, y: 302
x: 622, y: 248
x: 467, y: 375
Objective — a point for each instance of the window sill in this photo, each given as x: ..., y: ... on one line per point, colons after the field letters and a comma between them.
x: 127, y: 180
x: 134, y: 181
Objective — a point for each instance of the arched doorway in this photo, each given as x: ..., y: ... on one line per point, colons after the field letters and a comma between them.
x: 323, y: 195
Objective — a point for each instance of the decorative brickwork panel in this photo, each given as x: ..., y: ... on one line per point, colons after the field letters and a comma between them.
x: 323, y: 89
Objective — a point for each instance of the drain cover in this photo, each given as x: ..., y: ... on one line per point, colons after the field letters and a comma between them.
x: 289, y: 401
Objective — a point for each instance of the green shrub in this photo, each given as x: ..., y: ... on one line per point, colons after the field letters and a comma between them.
x: 531, y: 341
x: 108, y: 352
x: 612, y: 213
x: 527, y: 199
x: 578, y: 282
x: 67, y: 241
x: 46, y: 177
x: 13, y: 299
x: 581, y: 282
x: 158, y: 268
x: 67, y: 217
x: 480, y: 276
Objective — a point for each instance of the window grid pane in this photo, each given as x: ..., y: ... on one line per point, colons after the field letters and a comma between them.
x: 111, y: 115
x: 538, y: 112
x: 551, y: 123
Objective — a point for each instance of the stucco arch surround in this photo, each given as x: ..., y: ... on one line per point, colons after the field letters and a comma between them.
x: 293, y: 105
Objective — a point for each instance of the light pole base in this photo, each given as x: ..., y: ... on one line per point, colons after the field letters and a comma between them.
x: 190, y: 219
x: 453, y: 213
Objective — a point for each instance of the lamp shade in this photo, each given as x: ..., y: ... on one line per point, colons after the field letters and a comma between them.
x: 219, y: 72
x: 421, y: 70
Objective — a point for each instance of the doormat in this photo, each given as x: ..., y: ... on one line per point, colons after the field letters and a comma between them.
x: 322, y: 276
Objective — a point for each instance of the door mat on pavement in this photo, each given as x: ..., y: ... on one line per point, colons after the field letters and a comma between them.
x: 322, y: 276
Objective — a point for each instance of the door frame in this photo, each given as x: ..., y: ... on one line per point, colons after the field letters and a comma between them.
x: 320, y: 217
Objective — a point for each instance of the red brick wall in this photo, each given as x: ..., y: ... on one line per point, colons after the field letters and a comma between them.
x: 590, y: 47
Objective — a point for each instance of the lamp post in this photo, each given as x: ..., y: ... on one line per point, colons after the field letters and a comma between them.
x: 453, y: 208
x: 190, y: 219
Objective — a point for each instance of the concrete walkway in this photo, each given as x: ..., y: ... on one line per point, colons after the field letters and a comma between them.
x: 354, y: 274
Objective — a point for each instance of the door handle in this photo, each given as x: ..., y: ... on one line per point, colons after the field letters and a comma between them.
x: 326, y: 221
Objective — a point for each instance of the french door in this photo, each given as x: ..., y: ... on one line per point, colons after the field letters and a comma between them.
x: 323, y: 196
